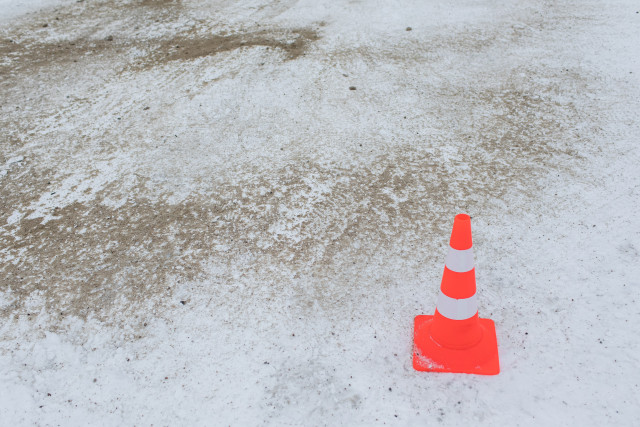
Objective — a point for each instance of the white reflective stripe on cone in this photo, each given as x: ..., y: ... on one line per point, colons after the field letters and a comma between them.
x: 457, y: 309
x: 459, y: 261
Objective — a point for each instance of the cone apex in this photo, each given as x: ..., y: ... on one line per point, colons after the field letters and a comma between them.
x: 461, y: 234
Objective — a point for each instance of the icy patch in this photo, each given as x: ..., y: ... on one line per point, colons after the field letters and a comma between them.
x: 6, y: 299
x: 16, y: 159
x: 4, y: 170
x: 14, y: 217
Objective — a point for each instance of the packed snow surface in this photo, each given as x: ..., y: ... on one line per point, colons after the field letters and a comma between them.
x: 230, y: 212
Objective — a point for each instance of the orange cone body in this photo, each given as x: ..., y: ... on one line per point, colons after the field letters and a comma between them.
x: 455, y: 339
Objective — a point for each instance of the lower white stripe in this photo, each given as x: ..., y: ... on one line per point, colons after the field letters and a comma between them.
x: 457, y: 309
x: 459, y: 261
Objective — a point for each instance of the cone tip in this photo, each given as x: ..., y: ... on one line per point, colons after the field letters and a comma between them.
x: 461, y: 234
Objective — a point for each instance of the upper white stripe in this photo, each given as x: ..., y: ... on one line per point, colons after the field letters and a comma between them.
x: 457, y: 309
x: 459, y: 261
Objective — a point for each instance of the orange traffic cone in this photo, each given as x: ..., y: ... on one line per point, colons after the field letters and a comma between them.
x: 454, y: 339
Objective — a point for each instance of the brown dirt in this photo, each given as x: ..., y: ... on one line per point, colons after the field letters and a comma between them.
x: 31, y: 56
x: 185, y: 48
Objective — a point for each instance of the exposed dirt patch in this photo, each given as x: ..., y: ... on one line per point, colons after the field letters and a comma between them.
x: 25, y: 56
x: 157, y: 3
x: 183, y: 48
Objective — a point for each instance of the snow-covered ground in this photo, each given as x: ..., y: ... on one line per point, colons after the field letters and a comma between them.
x: 12, y: 9
x: 229, y: 212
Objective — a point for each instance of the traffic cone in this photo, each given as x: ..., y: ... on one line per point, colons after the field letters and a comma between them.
x: 454, y: 339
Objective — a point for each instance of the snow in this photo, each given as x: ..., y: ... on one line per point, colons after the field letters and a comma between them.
x: 12, y: 9
x: 302, y: 330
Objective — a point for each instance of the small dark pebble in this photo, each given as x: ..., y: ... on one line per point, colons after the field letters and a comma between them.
x: 95, y: 380
x: 352, y: 88
x: 48, y: 394
x: 45, y: 25
x: 266, y: 363
x: 109, y: 38
x: 145, y: 108
x: 409, y: 28
x: 183, y: 302
x: 390, y: 389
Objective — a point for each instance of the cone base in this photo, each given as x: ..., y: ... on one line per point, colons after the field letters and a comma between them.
x: 428, y: 355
